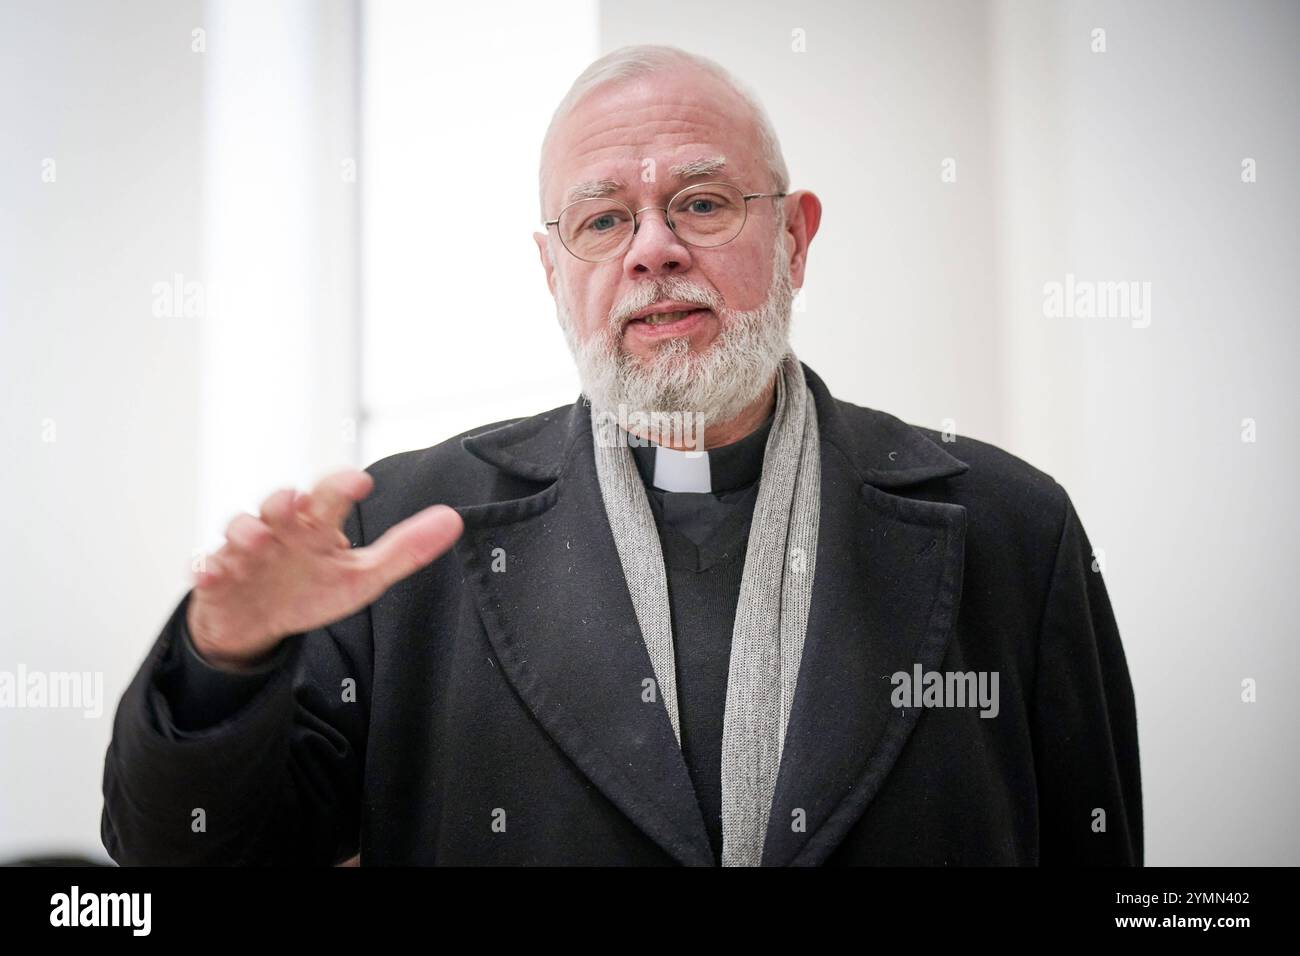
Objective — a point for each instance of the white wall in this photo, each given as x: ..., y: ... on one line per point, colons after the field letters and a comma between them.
x: 460, y: 329
x: 136, y: 428
x: 98, y: 523
x: 280, y: 388
x: 1126, y: 165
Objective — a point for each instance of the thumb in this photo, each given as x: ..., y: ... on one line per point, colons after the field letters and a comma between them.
x: 411, y: 544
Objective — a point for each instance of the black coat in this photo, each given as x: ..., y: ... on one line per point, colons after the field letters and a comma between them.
x: 499, y: 714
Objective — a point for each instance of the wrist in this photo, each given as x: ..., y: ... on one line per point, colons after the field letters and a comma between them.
x: 215, y: 653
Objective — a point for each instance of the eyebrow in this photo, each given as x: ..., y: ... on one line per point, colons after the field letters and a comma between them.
x: 595, y: 188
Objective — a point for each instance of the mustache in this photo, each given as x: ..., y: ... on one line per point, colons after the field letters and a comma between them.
x: 672, y: 287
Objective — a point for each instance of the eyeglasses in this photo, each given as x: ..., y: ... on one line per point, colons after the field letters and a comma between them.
x: 703, y: 215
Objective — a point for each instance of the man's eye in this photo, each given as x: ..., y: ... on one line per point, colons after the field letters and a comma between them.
x: 603, y: 223
x: 706, y: 204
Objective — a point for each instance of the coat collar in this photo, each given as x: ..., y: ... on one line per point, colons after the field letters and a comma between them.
x: 544, y: 572
x: 885, y: 451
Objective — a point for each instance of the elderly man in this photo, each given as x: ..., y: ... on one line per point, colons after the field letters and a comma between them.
x: 707, y: 614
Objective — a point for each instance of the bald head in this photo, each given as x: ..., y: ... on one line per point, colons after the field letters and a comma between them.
x: 650, y: 74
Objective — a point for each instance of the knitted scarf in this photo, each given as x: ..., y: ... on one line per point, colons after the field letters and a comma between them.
x: 772, y: 614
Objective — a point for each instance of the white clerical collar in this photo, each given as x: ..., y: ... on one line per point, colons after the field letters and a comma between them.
x: 718, y: 470
x: 676, y: 470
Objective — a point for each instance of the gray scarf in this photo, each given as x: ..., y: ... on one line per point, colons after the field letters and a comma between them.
x: 771, y: 617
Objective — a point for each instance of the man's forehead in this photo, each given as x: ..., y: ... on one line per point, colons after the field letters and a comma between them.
x: 684, y: 172
x: 660, y: 129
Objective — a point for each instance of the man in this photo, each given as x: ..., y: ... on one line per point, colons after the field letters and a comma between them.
x: 790, y: 630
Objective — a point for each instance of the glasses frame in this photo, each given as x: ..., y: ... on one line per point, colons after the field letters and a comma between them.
x: 636, y: 224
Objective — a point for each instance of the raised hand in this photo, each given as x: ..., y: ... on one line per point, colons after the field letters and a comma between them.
x: 292, y: 569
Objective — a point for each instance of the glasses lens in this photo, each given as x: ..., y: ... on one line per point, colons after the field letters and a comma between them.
x: 708, y: 214
x: 594, y: 229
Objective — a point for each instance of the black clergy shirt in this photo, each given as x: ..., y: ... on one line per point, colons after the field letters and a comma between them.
x: 703, y: 535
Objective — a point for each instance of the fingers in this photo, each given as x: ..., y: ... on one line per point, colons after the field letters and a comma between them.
x: 330, y: 501
x: 277, y: 509
x: 209, y: 572
x: 288, y: 513
x: 410, y: 545
x: 247, y: 533
x: 312, y: 519
x: 217, y: 570
x: 247, y: 538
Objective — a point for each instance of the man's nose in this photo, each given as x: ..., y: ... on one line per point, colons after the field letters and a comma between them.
x: 655, y: 249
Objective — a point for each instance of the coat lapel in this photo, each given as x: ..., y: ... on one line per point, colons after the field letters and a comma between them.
x: 551, y: 593
x: 546, y: 577
x: 886, y: 587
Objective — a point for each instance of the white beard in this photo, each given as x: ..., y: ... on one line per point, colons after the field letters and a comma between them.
x: 715, y: 385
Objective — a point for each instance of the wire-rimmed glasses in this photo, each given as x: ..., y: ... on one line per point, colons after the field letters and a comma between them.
x: 703, y: 215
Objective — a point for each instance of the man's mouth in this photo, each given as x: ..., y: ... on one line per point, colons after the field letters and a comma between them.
x: 666, y: 318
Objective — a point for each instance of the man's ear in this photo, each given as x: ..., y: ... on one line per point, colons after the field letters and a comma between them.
x: 803, y: 217
x: 544, y: 251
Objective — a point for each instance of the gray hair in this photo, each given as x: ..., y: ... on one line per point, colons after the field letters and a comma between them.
x: 635, y: 61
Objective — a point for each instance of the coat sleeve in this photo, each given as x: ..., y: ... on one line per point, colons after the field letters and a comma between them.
x: 200, y: 695
x: 278, y: 781
x: 1085, y: 719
